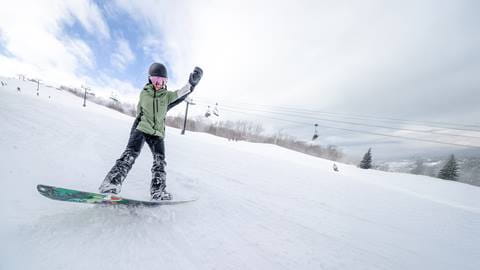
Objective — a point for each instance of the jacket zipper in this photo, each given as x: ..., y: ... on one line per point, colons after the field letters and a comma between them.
x: 154, y: 98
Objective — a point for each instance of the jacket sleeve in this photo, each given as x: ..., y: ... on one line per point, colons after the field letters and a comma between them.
x: 176, y: 102
x: 175, y: 95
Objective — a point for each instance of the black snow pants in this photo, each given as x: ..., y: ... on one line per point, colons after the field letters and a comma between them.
x: 135, y: 144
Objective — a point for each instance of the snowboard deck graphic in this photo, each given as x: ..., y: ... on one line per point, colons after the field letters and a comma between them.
x: 71, y: 195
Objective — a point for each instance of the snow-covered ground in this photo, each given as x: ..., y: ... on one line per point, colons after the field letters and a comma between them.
x: 259, y: 207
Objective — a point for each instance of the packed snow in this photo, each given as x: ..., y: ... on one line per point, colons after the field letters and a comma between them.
x: 259, y: 206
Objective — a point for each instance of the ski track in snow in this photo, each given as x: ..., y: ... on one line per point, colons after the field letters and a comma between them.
x: 259, y: 206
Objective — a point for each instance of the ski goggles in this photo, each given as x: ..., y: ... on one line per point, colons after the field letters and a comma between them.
x: 158, y: 81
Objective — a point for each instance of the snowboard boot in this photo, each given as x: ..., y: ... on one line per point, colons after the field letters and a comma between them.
x: 157, y: 189
x: 161, y: 195
x: 159, y: 179
x: 107, y: 187
x: 113, y: 181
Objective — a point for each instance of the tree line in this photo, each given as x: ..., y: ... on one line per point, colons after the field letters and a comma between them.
x: 449, y: 171
x: 254, y: 132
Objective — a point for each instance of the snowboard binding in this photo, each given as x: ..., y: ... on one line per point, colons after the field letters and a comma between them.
x: 161, y: 196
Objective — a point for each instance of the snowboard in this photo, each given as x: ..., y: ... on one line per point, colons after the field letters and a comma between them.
x: 71, y: 195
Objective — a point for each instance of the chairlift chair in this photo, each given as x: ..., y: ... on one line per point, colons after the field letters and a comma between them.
x: 215, y: 110
x: 315, y: 133
x: 208, y: 113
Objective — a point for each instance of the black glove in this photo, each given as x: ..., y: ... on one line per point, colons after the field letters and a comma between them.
x: 195, y: 77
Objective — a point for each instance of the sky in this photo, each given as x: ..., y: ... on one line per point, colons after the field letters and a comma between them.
x: 410, y: 60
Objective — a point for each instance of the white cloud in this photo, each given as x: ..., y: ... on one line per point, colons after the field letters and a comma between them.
x: 37, y: 46
x: 89, y: 15
x: 83, y: 53
x: 374, y: 57
x: 123, y: 55
x: 106, y: 85
x: 33, y: 38
x: 168, y: 27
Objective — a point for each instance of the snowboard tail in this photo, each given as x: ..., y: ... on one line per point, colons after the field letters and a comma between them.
x: 71, y: 195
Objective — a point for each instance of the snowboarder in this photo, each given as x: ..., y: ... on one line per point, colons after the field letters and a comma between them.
x: 149, y: 126
x: 335, y: 167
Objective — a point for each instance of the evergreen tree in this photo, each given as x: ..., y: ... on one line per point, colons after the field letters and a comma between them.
x: 366, y: 162
x: 450, y: 170
x: 419, y: 167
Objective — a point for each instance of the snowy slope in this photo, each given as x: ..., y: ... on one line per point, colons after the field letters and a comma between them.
x: 259, y: 207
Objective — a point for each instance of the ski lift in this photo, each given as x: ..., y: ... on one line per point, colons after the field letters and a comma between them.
x: 114, y: 97
x: 208, y: 113
x: 215, y: 110
x: 315, y: 133
x: 190, y: 101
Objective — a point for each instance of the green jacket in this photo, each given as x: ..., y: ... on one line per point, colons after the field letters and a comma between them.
x: 152, y: 108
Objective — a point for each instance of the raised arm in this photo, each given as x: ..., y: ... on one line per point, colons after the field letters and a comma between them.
x: 183, y: 92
